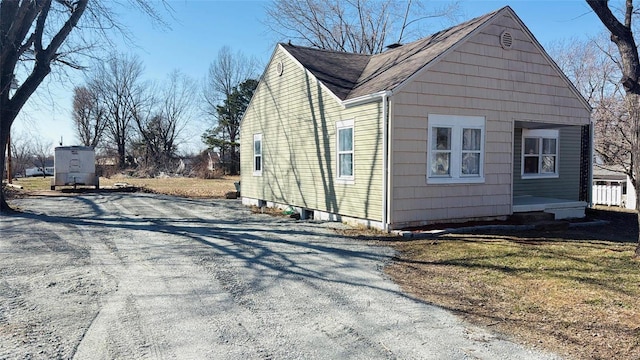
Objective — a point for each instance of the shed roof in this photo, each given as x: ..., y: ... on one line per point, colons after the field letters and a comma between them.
x: 613, y: 172
x: 350, y: 75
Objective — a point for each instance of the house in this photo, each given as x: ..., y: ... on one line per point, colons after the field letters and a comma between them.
x: 474, y: 122
x: 612, y: 187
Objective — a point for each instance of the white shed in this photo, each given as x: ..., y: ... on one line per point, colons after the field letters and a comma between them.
x: 74, y: 165
x: 612, y: 187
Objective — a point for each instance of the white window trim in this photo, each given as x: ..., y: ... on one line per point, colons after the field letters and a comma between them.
x: 456, y: 123
x: 540, y: 134
x: 345, y: 124
x: 258, y: 137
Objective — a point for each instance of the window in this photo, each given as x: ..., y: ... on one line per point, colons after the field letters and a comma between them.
x: 539, y: 153
x: 455, y: 149
x: 344, y: 131
x: 257, y: 154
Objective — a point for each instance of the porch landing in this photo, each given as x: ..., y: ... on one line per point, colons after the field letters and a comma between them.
x: 560, y: 208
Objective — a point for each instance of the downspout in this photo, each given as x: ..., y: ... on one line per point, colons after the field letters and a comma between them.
x: 385, y: 160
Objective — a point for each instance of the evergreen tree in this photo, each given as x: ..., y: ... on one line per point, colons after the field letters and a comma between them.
x: 224, y: 137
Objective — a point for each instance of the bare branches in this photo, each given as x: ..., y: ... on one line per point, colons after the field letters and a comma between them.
x: 622, y: 36
x: 225, y: 73
x: 359, y: 26
x: 166, y: 119
x: 89, y: 116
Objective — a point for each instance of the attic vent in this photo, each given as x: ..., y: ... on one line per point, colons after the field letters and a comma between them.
x: 280, y: 68
x: 506, y: 40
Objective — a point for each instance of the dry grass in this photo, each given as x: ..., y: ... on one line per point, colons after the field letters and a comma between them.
x: 33, y: 183
x: 575, y: 297
x: 185, y: 187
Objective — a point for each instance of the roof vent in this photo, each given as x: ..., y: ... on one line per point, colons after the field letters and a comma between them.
x: 393, y: 46
x: 280, y: 68
x: 506, y: 40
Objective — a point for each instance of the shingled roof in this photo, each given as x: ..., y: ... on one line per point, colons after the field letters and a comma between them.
x: 350, y: 75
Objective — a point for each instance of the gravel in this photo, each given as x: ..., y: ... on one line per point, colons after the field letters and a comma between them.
x: 131, y: 276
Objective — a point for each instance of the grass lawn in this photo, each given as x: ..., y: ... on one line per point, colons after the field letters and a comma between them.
x: 565, y: 291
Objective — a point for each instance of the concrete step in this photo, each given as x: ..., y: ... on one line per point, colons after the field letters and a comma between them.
x: 532, y: 217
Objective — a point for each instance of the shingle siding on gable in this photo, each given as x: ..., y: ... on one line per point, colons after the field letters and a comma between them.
x: 479, y: 78
x: 297, y: 119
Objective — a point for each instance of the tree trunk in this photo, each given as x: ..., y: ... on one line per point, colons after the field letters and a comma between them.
x: 4, y: 207
x: 622, y: 36
x: 122, y: 161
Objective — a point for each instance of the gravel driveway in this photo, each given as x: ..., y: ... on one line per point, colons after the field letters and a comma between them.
x: 131, y: 276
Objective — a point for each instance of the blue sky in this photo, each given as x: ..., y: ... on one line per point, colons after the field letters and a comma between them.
x: 200, y: 28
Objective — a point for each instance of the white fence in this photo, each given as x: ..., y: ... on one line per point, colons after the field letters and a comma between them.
x: 610, y: 194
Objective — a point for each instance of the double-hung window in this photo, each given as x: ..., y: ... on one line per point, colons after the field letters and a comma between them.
x: 257, y: 154
x: 540, y: 153
x: 344, y: 133
x: 455, y: 149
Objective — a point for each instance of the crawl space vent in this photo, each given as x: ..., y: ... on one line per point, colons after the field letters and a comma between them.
x: 506, y: 40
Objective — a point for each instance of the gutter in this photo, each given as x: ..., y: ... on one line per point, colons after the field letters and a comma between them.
x: 366, y: 99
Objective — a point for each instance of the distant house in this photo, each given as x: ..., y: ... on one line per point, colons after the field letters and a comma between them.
x: 473, y: 122
x: 612, y: 187
x: 38, y: 171
x: 47, y: 170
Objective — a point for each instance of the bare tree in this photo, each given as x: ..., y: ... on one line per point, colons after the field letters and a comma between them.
x: 594, y: 68
x: 21, y: 152
x: 23, y: 36
x: 622, y: 36
x: 88, y: 115
x: 222, y: 83
x: 226, y: 72
x: 359, y: 26
x: 121, y: 91
x: 34, y: 36
x: 41, y: 153
x: 161, y: 117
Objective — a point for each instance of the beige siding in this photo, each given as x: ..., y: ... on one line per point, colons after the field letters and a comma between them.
x: 297, y: 119
x: 479, y: 78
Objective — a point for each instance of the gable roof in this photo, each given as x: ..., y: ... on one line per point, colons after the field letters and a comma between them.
x: 338, y: 71
x: 349, y: 76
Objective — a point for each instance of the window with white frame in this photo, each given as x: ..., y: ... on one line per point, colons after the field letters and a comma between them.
x: 455, y: 149
x: 540, y: 153
x: 257, y: 154
x: 344, y: 133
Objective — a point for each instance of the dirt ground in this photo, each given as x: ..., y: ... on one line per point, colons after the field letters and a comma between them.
x: 132, y: 275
